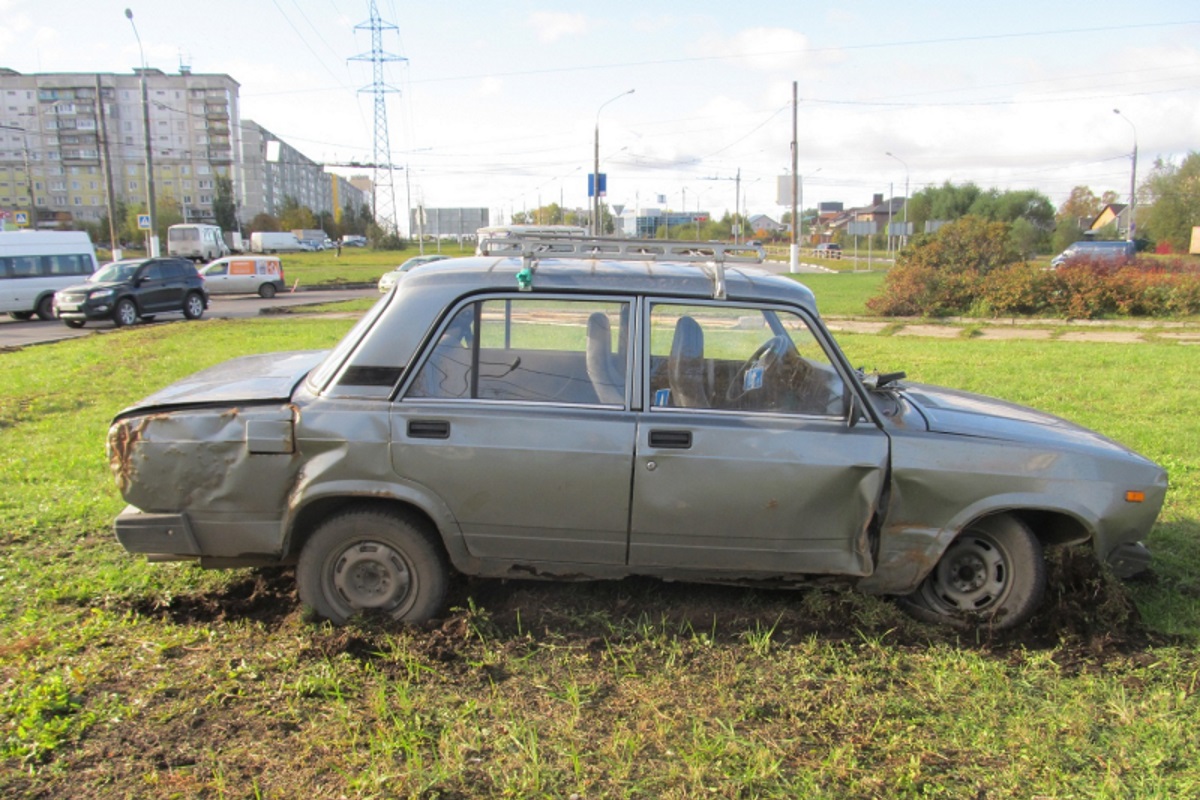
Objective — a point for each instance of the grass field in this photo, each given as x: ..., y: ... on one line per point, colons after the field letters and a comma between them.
x: 120, y: 678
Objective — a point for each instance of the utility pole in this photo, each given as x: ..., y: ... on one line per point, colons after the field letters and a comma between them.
x: 114, y: 244
x: 794, y: 250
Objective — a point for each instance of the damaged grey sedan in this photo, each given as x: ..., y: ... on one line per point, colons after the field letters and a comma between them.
x: 601, y: 408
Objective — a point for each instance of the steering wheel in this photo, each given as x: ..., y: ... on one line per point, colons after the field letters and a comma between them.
x: 768, y: 354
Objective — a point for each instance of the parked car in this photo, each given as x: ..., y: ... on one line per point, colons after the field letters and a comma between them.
x: 664, y: 409
x: 388, y: 279
x: 126, y: 291
x: 1104, y: 252
x: 261, y: 275
x: 827, y: 250
x: 354, y: 241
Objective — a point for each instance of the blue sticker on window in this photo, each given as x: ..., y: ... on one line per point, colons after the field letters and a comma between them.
x: 662, y: 397
x: 753, y: 379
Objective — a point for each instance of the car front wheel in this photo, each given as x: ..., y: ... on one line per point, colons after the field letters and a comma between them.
x: 368, y: 560
x: 994, y: 573
x: 125, y: 313
x: 193, y: 306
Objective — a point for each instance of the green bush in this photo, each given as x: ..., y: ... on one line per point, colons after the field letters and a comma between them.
x: 969, y: 268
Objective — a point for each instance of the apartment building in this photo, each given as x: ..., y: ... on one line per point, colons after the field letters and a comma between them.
x: 64, y: 137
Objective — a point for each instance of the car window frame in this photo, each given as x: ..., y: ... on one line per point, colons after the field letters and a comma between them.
x: 821, y: 337
x: 402, y: 394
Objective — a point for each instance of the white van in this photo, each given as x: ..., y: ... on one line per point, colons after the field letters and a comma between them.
x: 197, y: 242
x: 36, y: 264
x: 243, y: 275
x: 268, y: 242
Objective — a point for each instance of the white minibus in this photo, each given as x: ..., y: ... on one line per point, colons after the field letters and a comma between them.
x: 36, y: 264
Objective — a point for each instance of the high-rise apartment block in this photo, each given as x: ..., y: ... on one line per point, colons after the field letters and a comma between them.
x: 63, y: 136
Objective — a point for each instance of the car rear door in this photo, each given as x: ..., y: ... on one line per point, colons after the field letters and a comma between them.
x: 745, y: 464
x: 528, y: 448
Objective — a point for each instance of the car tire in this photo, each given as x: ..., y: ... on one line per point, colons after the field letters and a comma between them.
x: 45, y: 308
x: 993, y: 574
x: 125, y: 312
x: 193, y: 306
x: 368, y: 560
x: 73, y: 323
x: 266, y: 291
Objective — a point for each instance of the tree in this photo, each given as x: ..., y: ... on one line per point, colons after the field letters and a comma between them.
x: 1172, y: 193
x: 224, y: 208
x: 264, y: 222
x: 942, y: 273
x: 293, y: 216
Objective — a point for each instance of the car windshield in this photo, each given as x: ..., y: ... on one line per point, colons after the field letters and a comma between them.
x: 116, y: 271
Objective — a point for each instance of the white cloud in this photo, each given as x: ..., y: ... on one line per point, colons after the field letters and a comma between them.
x: 551, y: 26
x: 764, y: 49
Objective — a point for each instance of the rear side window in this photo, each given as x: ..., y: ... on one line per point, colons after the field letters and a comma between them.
x: 535, y: 351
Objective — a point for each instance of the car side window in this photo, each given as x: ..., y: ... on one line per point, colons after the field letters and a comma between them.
x: 217, y: 269
x: 152, y: 272
x: 526, y: 350
x: 746, y: 359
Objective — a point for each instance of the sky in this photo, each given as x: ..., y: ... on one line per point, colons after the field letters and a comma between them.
x: 498, y: 105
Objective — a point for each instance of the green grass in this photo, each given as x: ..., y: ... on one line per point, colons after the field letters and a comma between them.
x: 120, y: 678
x: 843, y: 294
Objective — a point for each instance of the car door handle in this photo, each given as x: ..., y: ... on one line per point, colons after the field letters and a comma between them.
x: 428, y: 429
x: 671, y: 440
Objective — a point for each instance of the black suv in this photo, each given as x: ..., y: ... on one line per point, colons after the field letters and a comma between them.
x: 125, y: 291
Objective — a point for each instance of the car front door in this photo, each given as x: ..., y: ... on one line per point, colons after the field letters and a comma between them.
x: 518, y: 419
x: 745, y: 462
x: 153, y: 287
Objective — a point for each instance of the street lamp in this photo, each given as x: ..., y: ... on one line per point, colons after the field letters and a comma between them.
x: 1132, y: 175
x: 153, y: 237
x: 904, y: 238
x: 596, y: 225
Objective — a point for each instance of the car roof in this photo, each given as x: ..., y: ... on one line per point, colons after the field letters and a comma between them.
x: 742, y: 281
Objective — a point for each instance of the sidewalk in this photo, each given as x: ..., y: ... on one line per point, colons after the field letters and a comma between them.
x: 1111, y: 331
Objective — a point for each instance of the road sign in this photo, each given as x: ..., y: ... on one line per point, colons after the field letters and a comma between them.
x: 592, y: 184
x: 143, y: 222
x: 22, y: 218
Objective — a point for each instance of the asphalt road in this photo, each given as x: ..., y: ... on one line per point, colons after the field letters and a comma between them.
x: 15, y: 333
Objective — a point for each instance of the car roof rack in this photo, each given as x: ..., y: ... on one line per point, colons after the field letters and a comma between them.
x: 531, y: 248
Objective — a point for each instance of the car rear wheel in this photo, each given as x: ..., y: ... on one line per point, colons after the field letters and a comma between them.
x: 193, y: 306
x: 266, y: 291
x: 45, y: 308
x: 367, y: 560
x: 994, y: 573
x: 74, y: 323
x: 125, y: 312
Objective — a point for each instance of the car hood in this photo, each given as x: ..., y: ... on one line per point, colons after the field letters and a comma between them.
x: 965, y: 414
x: 91, y: 287
x: 250, y: 379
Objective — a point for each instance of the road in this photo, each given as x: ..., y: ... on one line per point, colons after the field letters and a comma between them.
x: 15, y: 333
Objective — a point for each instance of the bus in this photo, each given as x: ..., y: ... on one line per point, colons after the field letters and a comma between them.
x: 36, y: 264
x: 195, y: 241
